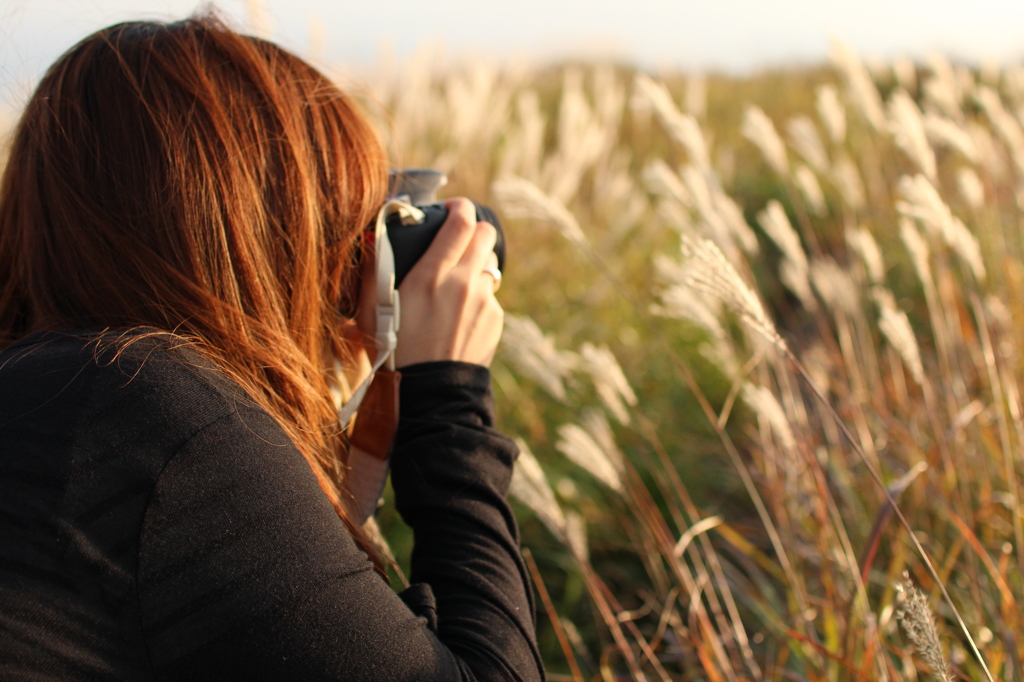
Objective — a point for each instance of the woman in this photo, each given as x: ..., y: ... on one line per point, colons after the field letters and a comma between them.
x: 180, y: 225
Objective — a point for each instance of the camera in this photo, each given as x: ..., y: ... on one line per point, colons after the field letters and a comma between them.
x: 418, y: 186
x: 405, y: 226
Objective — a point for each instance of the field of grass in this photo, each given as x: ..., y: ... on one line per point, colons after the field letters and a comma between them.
x: 763, y: 353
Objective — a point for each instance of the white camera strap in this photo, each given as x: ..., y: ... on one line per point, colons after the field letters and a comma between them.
x: 388, y: 309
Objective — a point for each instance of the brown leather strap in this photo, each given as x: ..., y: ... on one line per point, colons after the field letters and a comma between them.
x: 377, y: 418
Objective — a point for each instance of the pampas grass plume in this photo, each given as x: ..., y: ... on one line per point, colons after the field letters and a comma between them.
x: 520, y: 198
x: 847, y: 180
x: 709, y: 272
x: 585, y: 452
x: 806, y: 141
x: 794, y: 265
x: 767, y: 406
x: 831, y: 113
x: 907, y: 128
x: 893, y: 323
x: 760, y: 130
x: 809, y: 187
x: 858, y: 81
x: 609, y: 380
x: 970, y: 187
x: 915, y: 615
x: 530, y: 486
x: 534, y: 353
x: 683, y: 128
x: 864, y: 245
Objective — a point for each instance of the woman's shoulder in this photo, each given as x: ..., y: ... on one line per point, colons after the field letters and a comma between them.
x: 90, y: 424
x: 142, y: 384
x: 134, y: 361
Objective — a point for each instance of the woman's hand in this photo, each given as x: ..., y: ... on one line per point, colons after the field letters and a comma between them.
x: 448, y: 309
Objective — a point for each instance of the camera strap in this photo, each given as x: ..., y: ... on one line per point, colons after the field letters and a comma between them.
x: 375, y: 427
x: 388, y: 308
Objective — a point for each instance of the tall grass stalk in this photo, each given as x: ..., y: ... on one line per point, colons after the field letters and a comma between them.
x: 737, y: 488
x: 708, y: 271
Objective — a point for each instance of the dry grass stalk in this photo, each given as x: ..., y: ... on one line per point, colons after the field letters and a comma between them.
x: 696, y: 96
x: 530, y: 486
x: 907, y: 127
x: 558, y: 623
x: 924, y: 203
x: 915, y: 615
x: 858, y: 82
x: 709, y: 272
x: 794, y: 269
x: 478, y: 102
x: 832, y: 113
x: 596, y: 424
x: 720, y: 218
x: 835, y: 286
x: 807, y: 183
x: 942, y: 131
x: 582, y: 140
x: 534, y: 354
x: 609, y: 381
x: 576, y: 536
x: 893, y: 323
x: 677, y: 300
x: 609, y: 100
x: 940, y: 96
x: 670, y: 213
x: 970, y: 187
x: 847, y: 180
x: 584, y: 451
x: 1005, y: 124
x: 521, y: 198
x: 732, y: 216
x: 660, y: 179
x: 864, y: 245
x: 682, y: 128
x: 525, y: 149
x: 965, y: 80
x: 760, y: 130
x: 767, y: 407
x: 905, y: 72
x: 990, y: 154
x: 920, y: 255
x: 806, y: 141
x: 944, y: 87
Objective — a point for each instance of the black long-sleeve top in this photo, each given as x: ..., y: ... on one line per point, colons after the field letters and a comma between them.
x: 156, y: 524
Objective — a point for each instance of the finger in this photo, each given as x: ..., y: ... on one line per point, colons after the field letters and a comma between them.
x: 491, y: 271
x: 479, y: 249
x: 451, y: 241
x: 493, y: 278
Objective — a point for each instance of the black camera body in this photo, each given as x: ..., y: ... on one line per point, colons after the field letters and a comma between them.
x: 410, y: 241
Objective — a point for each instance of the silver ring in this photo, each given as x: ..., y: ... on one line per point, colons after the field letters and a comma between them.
x: 495, y: 273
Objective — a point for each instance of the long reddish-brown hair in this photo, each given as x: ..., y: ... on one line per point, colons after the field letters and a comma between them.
x: 184, y: 177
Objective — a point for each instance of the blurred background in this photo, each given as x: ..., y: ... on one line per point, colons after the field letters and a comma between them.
x: 736, y: 36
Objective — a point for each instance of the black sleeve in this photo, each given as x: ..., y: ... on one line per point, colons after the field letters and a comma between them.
x: 245, y: 571
x: 450, y: 472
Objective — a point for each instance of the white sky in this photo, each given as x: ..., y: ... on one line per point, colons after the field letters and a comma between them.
x: 734, y: 35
